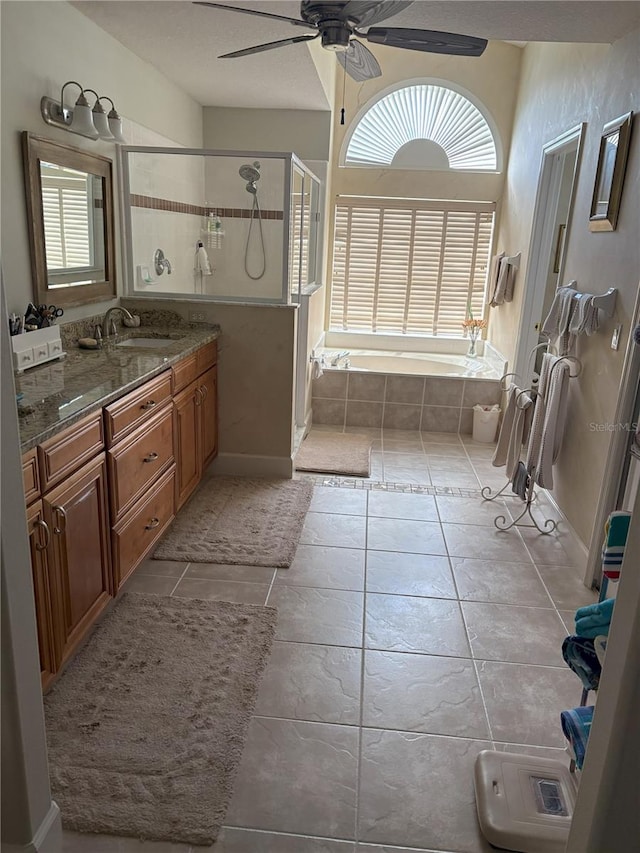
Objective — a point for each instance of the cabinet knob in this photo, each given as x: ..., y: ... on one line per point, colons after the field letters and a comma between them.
x: 204, y: 390
x: 155, y: 522
x: 46, y: 535
x: 149, y: 404
x: 151, y: 457
x: 199, y: 397
x: 58, y: 510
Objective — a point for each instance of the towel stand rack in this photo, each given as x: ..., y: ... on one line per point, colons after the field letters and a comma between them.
x: 548, y: 525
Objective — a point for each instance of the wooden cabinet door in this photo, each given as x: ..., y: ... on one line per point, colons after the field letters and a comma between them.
x: 39, y: 542
x: 77, y: 513
x: 187, y: 446
x: 209, y: 415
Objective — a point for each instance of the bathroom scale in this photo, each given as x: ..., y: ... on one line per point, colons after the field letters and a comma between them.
x: 524, y: 803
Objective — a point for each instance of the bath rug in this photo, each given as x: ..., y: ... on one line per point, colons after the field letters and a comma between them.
x: 335, y: 453
x: 238, y: 521
x: 146, y: 727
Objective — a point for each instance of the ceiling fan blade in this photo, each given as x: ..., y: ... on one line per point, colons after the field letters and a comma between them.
x: 255, y: 12
x: 271, y: 45
x: 359, y: 62
x: 367, y: 12
x: 430, y: 41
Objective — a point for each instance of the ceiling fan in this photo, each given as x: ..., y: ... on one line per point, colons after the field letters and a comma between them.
x: 338, y: 22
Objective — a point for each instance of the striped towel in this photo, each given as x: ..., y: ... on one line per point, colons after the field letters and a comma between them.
x: 576, y: 726
x: 615, y: 538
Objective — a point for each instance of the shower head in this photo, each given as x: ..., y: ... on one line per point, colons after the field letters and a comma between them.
x: 250, y: 173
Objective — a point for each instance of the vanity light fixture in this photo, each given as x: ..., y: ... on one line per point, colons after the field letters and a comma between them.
x: 91, y: 123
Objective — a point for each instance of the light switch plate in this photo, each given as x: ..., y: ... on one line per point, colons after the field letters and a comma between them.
x: 615, y: 337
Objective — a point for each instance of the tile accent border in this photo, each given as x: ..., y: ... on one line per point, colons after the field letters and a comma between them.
x: 166, y: 204
x: 380, y: 486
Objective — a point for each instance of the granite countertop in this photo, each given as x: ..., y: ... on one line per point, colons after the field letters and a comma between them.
x: 58, y: 393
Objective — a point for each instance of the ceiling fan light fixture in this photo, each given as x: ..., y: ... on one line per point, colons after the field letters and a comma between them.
x: 336, y: 38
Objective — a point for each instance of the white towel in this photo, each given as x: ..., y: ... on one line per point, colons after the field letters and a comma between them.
x: 504, y: 283
x: 539, y: 412
x: 554, y: 424
x: 201, y: 262
x: 499, y: 459
x: 523, y: 402
x: 560, y: 319
x: 316, y: 368
x: 512, y: 431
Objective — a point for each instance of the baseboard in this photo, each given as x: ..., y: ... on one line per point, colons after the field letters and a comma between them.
x: 246, y: 465
x: 48, y: 838
x: 584, y: 548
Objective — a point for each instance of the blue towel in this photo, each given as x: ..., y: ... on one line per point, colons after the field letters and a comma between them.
x: 579, y: 655
x: 576, y: 725
x: 600, y: 610
x: 591, y: 629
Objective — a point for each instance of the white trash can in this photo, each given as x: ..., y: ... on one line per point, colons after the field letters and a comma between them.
x: 485, y: 423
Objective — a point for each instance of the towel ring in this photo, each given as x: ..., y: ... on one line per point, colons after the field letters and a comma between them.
x: 572, y: 358
x: 526, y: 391
x: 505, y: 376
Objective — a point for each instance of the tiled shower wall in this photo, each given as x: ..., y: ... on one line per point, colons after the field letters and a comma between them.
x: 430, y: 404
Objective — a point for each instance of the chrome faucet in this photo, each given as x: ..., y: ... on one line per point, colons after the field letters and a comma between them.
x: 108, y: 326
x: 161, y: 263
x: 337, y: 357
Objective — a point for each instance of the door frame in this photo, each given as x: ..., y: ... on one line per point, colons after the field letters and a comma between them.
x: 542, y: 239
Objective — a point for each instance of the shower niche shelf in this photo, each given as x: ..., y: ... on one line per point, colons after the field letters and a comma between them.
x: 267, y: 250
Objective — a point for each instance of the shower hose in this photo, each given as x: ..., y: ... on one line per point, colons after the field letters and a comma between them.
x: 255, y: 208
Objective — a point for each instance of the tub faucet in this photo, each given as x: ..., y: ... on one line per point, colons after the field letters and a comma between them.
x: 107, y: 323
x: 337, y: 357
x: 161, y: 263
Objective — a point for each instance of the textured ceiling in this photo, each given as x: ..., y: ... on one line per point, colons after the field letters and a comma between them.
x: 183, y: 41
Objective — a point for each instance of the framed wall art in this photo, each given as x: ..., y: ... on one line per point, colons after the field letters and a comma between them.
x: 612, y: 161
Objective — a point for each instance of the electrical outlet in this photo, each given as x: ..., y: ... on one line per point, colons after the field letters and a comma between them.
x: 615, y: 337
x: 197, y: 317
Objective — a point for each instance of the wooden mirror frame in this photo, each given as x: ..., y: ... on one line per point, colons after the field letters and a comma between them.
x: 35, y: 149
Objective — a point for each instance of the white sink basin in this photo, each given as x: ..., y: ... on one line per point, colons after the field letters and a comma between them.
x: 147, y: 343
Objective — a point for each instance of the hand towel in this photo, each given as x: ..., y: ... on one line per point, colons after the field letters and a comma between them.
x: 599, y: 609
x: 576, y: 727
x: 201, y: 262
x: 520, y: 481
x: 505, y: 282
x: 557, y: 322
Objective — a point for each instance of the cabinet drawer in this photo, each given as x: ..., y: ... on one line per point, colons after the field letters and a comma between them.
x: 31, y: 475
x: 137, y: 460
x: 135, y: 408
x: 142, y: 526
x: 184, y: 372
x: 66, y: 452
x: 207, y: 356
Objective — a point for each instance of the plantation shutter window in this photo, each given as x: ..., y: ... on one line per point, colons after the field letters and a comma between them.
x: 409, y: 267
x: 68, y: 219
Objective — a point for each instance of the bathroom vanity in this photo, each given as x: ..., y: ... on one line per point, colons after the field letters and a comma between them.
x: 108, y: 458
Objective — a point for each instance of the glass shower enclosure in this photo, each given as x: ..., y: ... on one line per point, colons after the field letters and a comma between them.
x: 232, y: 226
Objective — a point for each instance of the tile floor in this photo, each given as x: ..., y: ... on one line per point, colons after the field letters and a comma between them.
x: 411, y: 635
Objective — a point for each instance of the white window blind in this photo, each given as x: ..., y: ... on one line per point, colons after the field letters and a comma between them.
x: 67, y: 220
x: 409, y: 267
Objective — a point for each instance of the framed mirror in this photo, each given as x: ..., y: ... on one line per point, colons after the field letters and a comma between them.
x: 71, y: 225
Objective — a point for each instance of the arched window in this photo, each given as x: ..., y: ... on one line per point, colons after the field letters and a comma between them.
x: 424, y: 125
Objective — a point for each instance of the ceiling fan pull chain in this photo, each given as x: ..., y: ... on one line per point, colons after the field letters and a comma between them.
x: 344, y: 85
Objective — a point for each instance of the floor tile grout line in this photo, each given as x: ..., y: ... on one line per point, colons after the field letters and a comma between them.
x: 362, y: 675
x: 273, y: 580
x: 477, y: 673
x: 179, y: 579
